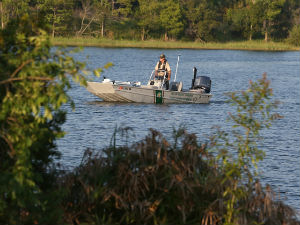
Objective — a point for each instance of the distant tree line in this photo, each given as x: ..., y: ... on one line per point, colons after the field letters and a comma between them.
x: 189, y: 20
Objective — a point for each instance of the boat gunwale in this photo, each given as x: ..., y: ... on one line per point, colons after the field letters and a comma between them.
x: 161, y: 89
x: 174, y: 100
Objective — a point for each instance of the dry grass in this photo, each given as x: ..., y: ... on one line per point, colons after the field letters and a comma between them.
x: 242, y: 45
x: 158, y: 182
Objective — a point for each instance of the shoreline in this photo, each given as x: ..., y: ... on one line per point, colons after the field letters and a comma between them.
x: 256, y: 45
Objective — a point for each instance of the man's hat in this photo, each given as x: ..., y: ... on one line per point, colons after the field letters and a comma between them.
x: 162, y: 56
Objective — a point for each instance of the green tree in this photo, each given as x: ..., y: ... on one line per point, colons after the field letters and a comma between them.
x: 239, y: 153
x: 33, y: 84
x: 56, y: 13
x: 272, y: 11
x: 171, y: 19
x: 190, y: 12
x: 11, y: 9
x: 295, y: 8
x: 283, y: 22
x: 148, y: 17
x: 87, y: 14
x: 104, y: 13
x: 244, y: 19
x: 127, y: 8
x: 207, y: 20
x: 208, y: 24
x: 294, y: 36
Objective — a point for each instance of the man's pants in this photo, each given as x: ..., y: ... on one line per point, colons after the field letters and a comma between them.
x: 167, y: 84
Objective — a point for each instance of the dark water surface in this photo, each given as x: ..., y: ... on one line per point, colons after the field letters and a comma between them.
x: 93, y: 122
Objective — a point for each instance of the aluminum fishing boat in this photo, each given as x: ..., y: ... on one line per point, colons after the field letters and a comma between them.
x: 154, y: 91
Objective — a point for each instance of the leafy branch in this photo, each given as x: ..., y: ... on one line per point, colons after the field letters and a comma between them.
x: 238, y: 154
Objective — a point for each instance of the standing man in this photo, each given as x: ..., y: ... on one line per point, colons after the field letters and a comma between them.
x: 163, y: 68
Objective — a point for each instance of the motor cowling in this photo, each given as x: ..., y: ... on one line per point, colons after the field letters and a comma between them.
x: 202, y: 82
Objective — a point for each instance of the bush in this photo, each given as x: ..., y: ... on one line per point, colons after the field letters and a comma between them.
x: 294, y: 36
x: 33, y: 85
x: 146, y: 184
x: 158, y: 182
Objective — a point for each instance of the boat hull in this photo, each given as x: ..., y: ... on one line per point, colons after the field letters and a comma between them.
x: 145, y: 94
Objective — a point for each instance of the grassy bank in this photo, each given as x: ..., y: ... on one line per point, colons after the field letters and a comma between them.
x: 242, y: 45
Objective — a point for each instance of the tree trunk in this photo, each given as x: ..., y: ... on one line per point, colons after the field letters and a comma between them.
x: 102, y: 28
x: 265, y: 25
x: 166, y: 36
x: 53, y: 29
x: 266, y: 36
x: 86, y: 26
x: 2, y: 17
x: 53, y: 24
x: 112, y: 5
x: 53, y: 32
x: 250, y: 36
x: 143, y: 34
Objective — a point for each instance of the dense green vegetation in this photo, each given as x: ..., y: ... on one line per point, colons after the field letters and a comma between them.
x: 33, y: 85
x: 154, y: 181
x: 187, y: 20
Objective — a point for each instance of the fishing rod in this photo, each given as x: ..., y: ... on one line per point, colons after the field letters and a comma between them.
x: 176, y: 67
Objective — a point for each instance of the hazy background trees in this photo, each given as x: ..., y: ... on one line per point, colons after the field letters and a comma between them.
x: 200, y: 20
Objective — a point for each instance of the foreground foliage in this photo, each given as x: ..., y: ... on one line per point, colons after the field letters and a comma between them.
x: 33, y: 84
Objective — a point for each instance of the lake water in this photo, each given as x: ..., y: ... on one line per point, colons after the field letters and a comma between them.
x: 93, y: 122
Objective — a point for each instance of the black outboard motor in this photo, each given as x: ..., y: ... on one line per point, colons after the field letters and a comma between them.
x: 201, y: 82
x: 195, y: 74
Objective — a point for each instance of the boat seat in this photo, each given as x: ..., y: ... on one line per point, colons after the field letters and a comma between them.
x: 176, y: 86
